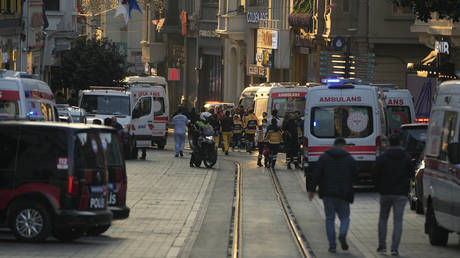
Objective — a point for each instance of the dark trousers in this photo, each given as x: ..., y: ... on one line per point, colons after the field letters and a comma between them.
x: 236, y: 141
x: 274, y: 148
x: 398, y: 202
x: 292, y: 150
x: 250, y: 141
x: 340, y: 207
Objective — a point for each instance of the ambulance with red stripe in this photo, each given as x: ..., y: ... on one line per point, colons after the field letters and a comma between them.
x: 400, y: 108
x: 23, y: 98
x: 348, y: 109
x: 285, y: 97
x: 441, y: 166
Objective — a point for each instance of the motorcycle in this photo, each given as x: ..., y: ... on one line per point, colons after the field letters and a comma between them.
x: 205, y: 148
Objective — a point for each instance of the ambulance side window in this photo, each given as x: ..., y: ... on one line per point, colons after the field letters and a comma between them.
x: 448, y: 133
x: 143, y: 107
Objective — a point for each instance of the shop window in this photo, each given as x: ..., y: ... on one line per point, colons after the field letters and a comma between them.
x: 51, y: 5
x: 448, y: 132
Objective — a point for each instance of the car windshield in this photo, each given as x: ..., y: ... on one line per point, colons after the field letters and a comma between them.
x: 397, y: 116
x: 106, y: 104
x: 112, y: 148
x: 289, y: 104
x: 9, y: 108
x: 342, y: 121
x: 413, y: 139
x: 247, y: 102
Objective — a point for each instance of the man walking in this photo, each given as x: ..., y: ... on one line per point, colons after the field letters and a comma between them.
x: 227, y: 128
x: 334, y: 176
x: 180, y: 122
x: 392, y: 179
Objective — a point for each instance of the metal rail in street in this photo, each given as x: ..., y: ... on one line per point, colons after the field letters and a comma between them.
x: 235, y: 224
x: 300, y: 239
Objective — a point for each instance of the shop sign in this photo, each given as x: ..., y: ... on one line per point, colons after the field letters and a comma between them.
x: 208, y: 34
x: 254, y: 17
x: 267, y: 39
x: 256, y: 70
x: 442, y: 47
x: 264, y: 57
x: 173, y: 74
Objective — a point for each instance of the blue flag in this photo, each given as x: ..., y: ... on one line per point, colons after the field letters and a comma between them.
x: 133, y: 5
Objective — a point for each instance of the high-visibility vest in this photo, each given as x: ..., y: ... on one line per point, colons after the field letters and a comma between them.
x: 237, y: 126
x: 250, y: 124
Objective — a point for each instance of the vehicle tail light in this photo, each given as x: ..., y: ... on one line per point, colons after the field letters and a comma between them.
x: 118, y: 174
x: 72, y: 185
x: 378, y: 145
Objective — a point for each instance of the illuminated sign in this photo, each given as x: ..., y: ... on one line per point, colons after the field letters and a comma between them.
x: 173, y: 74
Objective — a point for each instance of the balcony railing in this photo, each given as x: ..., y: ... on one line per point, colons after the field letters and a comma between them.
x: 232, y: 23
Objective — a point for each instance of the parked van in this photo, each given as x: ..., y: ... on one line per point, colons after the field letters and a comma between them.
x: 400, y: 108
x: 441, y: 177
x: 25, y: 98
x: 284, y: 97
x: 157, y: 88
x: 348, y: 109
x: 247, y: 96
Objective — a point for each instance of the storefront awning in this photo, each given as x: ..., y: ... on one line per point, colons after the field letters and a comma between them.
x: 300, y: 20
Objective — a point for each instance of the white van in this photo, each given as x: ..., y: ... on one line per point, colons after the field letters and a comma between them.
x: 400, y: 108
x: 284, y: 97
x: 26, y: 99
x: 348, y: 109
x: 249, y: 93
x: 441, y: 175
x: 158, y: 88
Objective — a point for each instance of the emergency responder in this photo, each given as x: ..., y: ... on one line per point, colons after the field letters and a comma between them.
x: 273, y: 137
x: 261, y: 130
x: 227, y: 128
x: 237, y: 132
x: 250, y: 126
x: 214, y: 122
x: 291, y: 140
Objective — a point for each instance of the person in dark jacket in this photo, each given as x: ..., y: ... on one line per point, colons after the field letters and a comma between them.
x: 291, y: 140
x: 334, y: 175
x: 227, y: 128
x: 392, y: 179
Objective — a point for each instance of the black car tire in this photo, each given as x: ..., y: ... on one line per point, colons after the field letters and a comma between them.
x: 96, y: 231
x: 35, y: 211
x: 438, y: 235
x: 68, y: 234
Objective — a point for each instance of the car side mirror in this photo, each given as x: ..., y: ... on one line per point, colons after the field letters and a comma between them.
x: 453, y: 151
x: 136, y: 113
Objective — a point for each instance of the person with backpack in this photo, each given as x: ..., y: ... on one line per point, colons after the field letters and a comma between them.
x: 273, y: 137
x: 250, y: 127
x: 334, y: 176
x: 227, y: 128
x: 392, y: 179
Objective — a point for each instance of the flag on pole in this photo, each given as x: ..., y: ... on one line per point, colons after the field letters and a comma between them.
x: 133, y: 5
x: 123, y: 10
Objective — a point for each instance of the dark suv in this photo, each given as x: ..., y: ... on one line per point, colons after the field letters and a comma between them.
x: 117, y: 184
x: 53, y: 180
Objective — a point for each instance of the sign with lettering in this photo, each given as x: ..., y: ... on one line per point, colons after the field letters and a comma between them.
x: 341, y: 99
x: 267, y: 39
x: 442, y: 47
x: 257, y: 70
x: 254, y: 17
x: 288, y: 94
x: 173, y: 74
x: 395, y: 101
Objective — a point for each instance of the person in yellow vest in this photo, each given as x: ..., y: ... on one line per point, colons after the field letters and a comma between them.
x: 250, y: 127
x: 261, y: 130
x: 237, y: 132
x: 227, y: 128
x: 273, y: 137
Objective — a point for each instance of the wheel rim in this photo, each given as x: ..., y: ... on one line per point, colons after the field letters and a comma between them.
x: 29, y: 223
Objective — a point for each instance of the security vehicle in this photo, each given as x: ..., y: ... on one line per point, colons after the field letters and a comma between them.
x: 400, y: 108
x: 117, y: 178
x: 441, y: 177
x: 53, y: 180
x: 24, y: 98
x: 349, y: 109
x: 153, y: 90
x: 284, y: 97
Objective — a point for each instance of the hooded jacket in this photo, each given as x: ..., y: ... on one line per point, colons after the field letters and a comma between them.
x: 393, y: 172
x: 334, y: 175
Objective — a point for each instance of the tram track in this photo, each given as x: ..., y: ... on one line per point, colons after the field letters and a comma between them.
x: 235, y: 238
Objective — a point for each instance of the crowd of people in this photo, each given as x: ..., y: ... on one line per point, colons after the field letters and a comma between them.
x: 240, y: 129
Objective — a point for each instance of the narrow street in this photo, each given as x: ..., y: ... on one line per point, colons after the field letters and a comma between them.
x: 178, y: 211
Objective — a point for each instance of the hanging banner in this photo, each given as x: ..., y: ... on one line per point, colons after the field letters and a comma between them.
x: 267, y: 39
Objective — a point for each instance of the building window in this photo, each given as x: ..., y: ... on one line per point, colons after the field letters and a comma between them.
x: 10, y: 6
x: 399, y: 10
x: 51, y: 5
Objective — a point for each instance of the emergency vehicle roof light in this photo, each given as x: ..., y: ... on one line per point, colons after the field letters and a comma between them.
x: 338, y: 83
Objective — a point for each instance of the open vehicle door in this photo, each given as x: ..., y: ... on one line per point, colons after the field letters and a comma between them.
x: 142, y: 122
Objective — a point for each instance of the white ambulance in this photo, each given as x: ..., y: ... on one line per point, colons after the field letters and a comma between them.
x: 348, y: 109
x: 249, y: 93
x: 441, y: 175
x: 154, y: 89
x: 400, y: 108
x: 284, y: 97
x: 26, y: 99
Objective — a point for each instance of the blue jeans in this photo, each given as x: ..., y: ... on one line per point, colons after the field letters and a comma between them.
x: 398, y: 202
x: 179, y: 141
x: 342, y: 208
